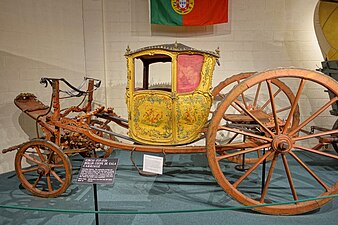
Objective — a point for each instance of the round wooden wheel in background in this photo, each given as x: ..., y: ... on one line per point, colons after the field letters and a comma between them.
x: 296, y: 171
x: 256, y: 102
x: 43, y: 169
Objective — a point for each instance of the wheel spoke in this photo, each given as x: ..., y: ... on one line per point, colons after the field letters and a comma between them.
x: 37, y: 181
x: 256, y: 95
x: 236, y: 107
x: 310, y: 135
x: 252, y: 168
x: 243, y: 98
x: 288, y: 174
x: 242, y: 152
x: 39, y: 153
x: 294, y: 105
x: 57, y: 165
x: 49, y: 183
x: 254, y: 118
x: 232, y: 146
x: 245, y: 133
x: 269, y: 100
x: 31, y: 159
x: 268, y: 179
x: 309, y: 170
x: 319, y: 111
x: 50, y: 157
x: 282, y: 109
x: 29, y: 170
x: 316, y: 151
x: 273, y: 106
x: 57, y: 176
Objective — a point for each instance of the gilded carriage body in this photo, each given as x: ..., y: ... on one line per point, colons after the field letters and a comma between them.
x: 174, y: 113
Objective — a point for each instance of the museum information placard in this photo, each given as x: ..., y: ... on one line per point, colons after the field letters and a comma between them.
x: 97, y: 171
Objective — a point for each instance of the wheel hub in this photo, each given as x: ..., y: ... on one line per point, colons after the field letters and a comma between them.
x: 43, y: 169
x: 282, y: 143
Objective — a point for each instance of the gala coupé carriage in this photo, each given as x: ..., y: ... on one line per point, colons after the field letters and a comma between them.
x: 260, y: 122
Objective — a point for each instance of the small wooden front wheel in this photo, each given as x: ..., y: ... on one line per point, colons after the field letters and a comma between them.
x: 43, y: 169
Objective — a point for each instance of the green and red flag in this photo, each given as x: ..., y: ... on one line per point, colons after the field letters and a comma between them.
x: 188, y: 12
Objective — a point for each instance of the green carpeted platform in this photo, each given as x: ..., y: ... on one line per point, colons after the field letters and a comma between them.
x: 186, y: 194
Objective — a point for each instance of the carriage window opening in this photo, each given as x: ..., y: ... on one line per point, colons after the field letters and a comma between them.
x: 155, y: 76
x: 188, y: 72
x: 138, y: 74
x: 160, y: 76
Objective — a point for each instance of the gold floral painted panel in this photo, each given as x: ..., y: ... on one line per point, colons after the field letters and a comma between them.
x: 192, y: 114
x: 151, y: 118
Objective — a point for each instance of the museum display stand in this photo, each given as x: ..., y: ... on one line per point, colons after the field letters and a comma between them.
x: 185, y: 193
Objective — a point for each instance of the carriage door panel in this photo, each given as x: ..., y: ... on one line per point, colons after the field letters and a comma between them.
x: 191, y: 116
x: 152, y: 117
x: 190, y: 105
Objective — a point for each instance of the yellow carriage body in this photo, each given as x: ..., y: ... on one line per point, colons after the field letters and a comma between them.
x: 174, y: 113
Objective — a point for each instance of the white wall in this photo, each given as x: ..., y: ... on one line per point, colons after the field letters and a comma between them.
x: 72, y: 38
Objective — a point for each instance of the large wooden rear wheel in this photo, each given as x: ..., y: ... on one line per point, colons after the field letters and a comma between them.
x: 43, y: 169
x: 256, y: 102
x: 297, y: 173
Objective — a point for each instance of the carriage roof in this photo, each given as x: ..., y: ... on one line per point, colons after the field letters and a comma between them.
x: 176, y: 47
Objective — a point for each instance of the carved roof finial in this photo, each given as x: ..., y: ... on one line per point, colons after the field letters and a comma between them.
x: 127, y: 50
x: 176, y: 45
x: 218, y: 52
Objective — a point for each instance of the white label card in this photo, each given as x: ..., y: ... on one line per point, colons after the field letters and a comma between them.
x: 153, y: 164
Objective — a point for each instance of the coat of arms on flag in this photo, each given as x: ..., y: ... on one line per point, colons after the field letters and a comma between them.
x: 182, y: 6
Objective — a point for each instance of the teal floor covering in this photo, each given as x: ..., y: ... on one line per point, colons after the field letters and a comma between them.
x: 187, y: 193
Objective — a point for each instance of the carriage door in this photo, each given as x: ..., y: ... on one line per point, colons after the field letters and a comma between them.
x: 151, y: 113
x: 191, y: 105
